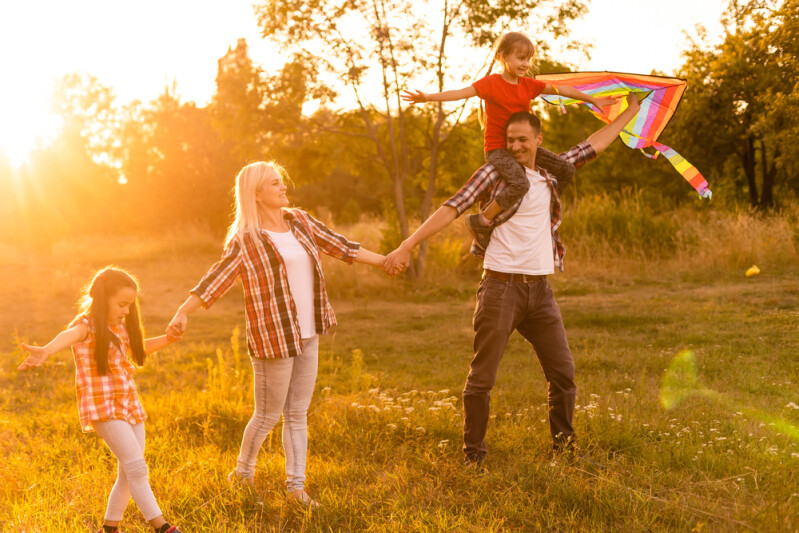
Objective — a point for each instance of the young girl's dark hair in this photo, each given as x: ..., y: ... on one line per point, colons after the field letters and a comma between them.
x: 506, y: 44
x: 94, y: 304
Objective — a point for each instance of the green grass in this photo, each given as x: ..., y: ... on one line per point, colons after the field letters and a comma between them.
x: 386, y: 416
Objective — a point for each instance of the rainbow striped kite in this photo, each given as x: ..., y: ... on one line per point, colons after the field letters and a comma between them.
x: 659, y: 97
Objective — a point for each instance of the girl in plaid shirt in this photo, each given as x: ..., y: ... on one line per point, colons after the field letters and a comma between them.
x: 105, y: 333
x: 275, y: 251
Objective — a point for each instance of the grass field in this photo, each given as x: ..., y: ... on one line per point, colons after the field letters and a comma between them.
x: 687, y: 402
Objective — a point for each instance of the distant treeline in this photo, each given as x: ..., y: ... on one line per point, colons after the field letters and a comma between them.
x: 141, y: 167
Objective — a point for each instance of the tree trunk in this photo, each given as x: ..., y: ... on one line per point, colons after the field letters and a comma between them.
x: 748, y: 162
x: 769, y: 172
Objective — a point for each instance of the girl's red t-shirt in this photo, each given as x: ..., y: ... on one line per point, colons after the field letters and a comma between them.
x: 502, y: 99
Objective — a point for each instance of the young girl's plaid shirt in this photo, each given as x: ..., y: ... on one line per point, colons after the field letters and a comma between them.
x: 110, y: 397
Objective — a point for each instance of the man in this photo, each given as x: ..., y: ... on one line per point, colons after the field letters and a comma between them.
x: 514, y: 293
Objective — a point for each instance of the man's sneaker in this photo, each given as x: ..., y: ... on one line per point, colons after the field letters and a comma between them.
x: 476, y: 465
x: 479, y: 230
x: 572, y: 456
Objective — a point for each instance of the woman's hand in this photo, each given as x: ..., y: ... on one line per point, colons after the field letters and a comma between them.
x: 38, y: 355
x: 172, y: 334
x: 178, y: 324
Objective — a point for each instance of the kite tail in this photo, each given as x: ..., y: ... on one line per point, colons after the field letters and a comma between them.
x: 688, y: 171
x: 560, y: 100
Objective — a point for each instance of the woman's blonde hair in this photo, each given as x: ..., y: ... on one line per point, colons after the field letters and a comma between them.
x: 249, y: 181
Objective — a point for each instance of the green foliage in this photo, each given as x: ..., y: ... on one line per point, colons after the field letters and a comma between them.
x: 739, y: 93
x: 624, y: 225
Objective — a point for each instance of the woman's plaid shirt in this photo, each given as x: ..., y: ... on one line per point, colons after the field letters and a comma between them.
x: 485, y: 184
x: 273, y: 329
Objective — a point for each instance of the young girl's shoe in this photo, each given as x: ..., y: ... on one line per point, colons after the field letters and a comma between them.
x: 170, y: 529
x: 302, y: 497
x: 103, y: 530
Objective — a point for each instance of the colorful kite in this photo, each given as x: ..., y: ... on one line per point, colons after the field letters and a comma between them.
x: 659, y: 97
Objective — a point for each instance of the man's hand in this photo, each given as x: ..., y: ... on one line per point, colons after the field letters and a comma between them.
x: 632, y: 101
x: 601, y: 139
x: 416, y: 97
x: 397, y: 261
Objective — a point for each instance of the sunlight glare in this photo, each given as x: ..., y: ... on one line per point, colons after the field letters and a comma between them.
x: 25, y: 122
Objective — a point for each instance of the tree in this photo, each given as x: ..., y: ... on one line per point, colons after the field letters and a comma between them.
x: 743, y: 92
x: 237, y: 105
x: 177, y: 167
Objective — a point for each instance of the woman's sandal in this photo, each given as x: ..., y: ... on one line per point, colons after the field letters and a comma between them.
x: 303, y: 498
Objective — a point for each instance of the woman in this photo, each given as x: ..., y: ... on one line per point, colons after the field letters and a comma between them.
x: 275, y: 252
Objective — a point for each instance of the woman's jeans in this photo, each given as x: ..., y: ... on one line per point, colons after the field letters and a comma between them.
x: 281, y: 386
x: 126, y: 442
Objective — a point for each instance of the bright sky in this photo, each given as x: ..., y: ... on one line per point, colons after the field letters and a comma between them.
x: 138, y: 48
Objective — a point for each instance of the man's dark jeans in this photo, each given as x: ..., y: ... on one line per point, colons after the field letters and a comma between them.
x: 531, y: 309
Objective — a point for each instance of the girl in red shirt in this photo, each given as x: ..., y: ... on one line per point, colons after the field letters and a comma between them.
x: 504, y: 94
x: 104, y: 334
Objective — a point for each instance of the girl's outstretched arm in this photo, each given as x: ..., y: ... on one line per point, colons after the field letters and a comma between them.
x: 418, y: 97
x: 40, y: 354
x: 571, y: 92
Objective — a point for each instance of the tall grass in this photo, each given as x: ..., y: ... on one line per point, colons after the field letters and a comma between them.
x: 687, y: 392
x: 623, y: 233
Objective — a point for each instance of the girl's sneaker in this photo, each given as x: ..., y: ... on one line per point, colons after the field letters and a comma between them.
x: 170, y: 529
x: 103, y: 530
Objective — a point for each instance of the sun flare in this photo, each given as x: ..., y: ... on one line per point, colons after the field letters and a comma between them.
x: 25, y: 122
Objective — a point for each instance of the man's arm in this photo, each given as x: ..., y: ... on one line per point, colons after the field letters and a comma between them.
x: 399, y: 259
x: 601, y: 139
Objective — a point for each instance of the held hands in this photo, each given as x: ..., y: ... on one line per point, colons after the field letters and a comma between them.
x: 397, y: 261
x: 177, y: 326
x: 172, y: 334
x: 416, y: 97
x: 38, y: 355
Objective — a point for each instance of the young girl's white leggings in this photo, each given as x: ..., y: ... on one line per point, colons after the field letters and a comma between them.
x: 281, y: 385
x: 126, y: 442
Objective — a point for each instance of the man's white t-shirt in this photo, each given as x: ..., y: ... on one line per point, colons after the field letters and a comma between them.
x: 523, y: 244
x: 300, y: 270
